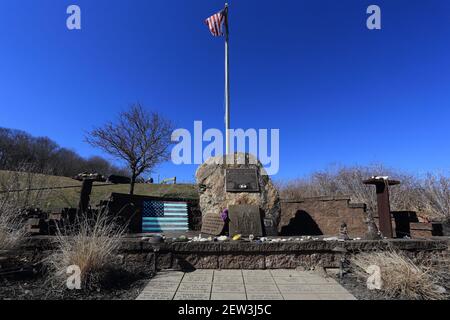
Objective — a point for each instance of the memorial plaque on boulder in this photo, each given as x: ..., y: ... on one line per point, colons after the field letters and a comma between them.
x: 212, y: 224
x: 242, y: 180
x: 245, y: 220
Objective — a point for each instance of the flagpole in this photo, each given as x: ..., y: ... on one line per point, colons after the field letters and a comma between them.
x: 227, y: 85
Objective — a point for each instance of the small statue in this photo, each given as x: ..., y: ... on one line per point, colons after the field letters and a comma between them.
x: 343, y: 232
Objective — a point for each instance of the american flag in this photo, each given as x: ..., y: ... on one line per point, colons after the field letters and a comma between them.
x: 160, y: 216
x: 216, y: 22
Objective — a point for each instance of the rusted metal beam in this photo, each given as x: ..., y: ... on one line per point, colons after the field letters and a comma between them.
x: 383, y: 203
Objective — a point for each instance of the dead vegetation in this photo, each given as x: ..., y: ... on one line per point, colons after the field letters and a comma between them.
x: 12, y: 231
x: 429, y: 196
x: 13, y: 203
x: 403, y: 278
x: 91, y: 245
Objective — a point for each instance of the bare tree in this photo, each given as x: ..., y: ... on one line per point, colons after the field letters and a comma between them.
x: 139, y: 138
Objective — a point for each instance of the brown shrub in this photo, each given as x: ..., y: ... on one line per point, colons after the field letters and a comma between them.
x: 91, y: 245
x: 430, y: 197
x: 401, y: 277
x: 13, y: 202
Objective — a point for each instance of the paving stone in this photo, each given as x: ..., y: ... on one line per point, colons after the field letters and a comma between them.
x: 256, y: 273
x: 285, y: 273
x: 331, y: 296
x: 289, y: 280
x: 318, y: 280
x: 301, y: 296
x: 327, y: 288
x: 192, y: 296
x: 198, y: 278
x: 239, y: 285
x: 195, y: 286
x: 228, y: 288
x: 156, y: 295
x: 201, y: 271
x: 294, y: 288
x: 228, y: 296
x: 161, y: 286
x: 257, y: 276
x: 168, y: 277
x: 264, y: 296
x: 170, y: 274
x: 266, y: 280
x: 307, y: 275
x: 230, y: 272
x: 263, y: 287
x: 228, y: 279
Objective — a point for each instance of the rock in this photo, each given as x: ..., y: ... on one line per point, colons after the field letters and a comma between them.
x: 213, y: 197
x: 439, y: 289
x: 222, y: 238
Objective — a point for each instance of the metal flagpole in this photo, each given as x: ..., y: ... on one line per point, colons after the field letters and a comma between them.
x: 227, y: 85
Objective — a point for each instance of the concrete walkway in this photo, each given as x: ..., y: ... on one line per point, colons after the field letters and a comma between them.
x: 243, y: 285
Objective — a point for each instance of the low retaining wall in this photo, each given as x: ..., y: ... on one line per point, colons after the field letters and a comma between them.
x: 249, y: 255
x: 322, y: 216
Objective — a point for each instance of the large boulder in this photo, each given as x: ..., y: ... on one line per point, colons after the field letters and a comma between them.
x: 214, y: 199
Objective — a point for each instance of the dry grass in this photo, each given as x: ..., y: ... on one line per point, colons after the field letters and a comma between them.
x: 12, y: 231
x: 64, y: 198
x: 91, y: 245
x: 12, y: 204
x: 429, y: 197
x: 401, y: 277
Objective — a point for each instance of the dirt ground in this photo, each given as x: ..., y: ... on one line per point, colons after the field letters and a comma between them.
x: 33, y: 285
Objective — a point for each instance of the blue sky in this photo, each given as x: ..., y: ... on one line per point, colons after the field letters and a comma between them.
x: 338, y: 92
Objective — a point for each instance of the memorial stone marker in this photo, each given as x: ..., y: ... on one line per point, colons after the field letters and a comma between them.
x: 245, y: 220
x: 238, y: 179
x: 212, y: 224
x: 242, y: 180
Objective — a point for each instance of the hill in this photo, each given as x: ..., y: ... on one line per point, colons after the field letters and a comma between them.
x: 65, y: 191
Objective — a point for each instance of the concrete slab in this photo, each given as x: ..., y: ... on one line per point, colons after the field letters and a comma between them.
x: 228, y: 279
x: 329, y: 296
x: 264, y: 287
x: 241, y: 285
x: 301, y: 296
x: 161, y: 286
x: 191, y: 277
x: 286, y: 273
x: 289, y: 280
x: 152, y: 295
x: 192, y: 296
x: 264, y: 296
x: 255, y: 273
x: 194, y: 287
x: 228, y: 296
x: 318, y: 280
x: 265, y: 280
x: 328, y: 288
x: 228, y: 288
x: 294, y: 288
x: 230, y: 272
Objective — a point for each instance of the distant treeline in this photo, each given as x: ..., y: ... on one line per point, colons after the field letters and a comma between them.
x: 43, y: 155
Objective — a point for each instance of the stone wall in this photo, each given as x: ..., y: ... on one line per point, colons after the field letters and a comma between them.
x: 141, y: 255
x: 322, y: 216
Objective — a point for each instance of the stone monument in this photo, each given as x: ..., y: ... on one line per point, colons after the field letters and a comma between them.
x: 236, y: 180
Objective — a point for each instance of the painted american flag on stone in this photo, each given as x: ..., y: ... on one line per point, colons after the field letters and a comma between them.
x: 161, y: 216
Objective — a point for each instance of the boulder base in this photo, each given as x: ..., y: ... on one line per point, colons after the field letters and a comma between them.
x: 214, y: 199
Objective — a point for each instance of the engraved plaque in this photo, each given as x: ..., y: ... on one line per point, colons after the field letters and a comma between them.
x: 245, y: 220
x: 241, y: 180
x: 212, y: 224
